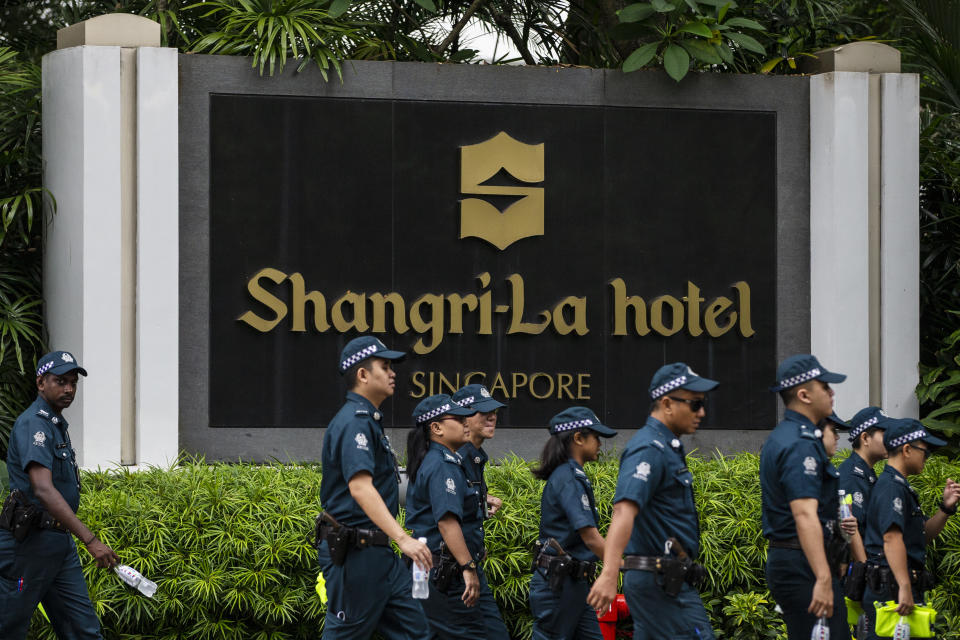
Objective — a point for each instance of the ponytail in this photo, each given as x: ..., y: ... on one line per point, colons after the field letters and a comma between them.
x: 418, y: 443
x: 554, y: 454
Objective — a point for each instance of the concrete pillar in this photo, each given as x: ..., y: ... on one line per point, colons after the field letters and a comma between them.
x: 111, y: 245
x: 864, y: 225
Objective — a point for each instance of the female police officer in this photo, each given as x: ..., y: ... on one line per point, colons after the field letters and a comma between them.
x: 568, y: 515
x: 443, y: 508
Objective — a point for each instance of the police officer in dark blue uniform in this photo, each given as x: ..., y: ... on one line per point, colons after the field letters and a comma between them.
x: 568, y: 514
x: 368, y: 587
x: 38, y: 557
x: 857, y: 476
x: 897, y: 529
x: 655, y: 517
x: 481, y: 426
x: 443, y: 508
x: 800, y: 506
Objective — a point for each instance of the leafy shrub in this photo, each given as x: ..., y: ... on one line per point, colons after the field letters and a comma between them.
x: 939, y: 388
x: 227, y: 546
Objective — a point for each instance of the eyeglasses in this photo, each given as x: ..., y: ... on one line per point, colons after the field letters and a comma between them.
x: 695, y: 404
x: 926, y: 451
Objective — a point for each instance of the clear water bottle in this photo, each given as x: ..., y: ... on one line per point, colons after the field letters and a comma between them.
x: 863, y: 627
x: 421, y: 589
x: 902, y: 631
x: 845, y: 512
x: 820, y: 630
x: 136, y: 580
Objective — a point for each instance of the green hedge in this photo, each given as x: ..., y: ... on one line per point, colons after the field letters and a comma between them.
x: 227, y: 545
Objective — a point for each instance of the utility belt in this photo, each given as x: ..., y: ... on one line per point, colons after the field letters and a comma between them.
x: 446, y: 568
x: 881, y: 580
x: 341, y: 539
x: 21, y: 517
x: 670, y: 571
x: 836, y: 548
x: 556, y: 568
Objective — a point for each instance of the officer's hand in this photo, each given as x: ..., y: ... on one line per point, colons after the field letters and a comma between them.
x: 416, y: 551
x: 104, y: 556
x: 472, y: 590
x: 493, y: 504
x: 821, y: 605
x: 603, y: 592
x: 951, y: 494
x: 849, y: 526
x: 905, y: 600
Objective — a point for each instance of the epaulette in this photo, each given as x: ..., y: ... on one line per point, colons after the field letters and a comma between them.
x: 43, y: 413
x: 361, y: 412
x: 859, y: 470
x: 899, y: 479
x: 450, y: 457
x: 659, y: 444
x: 580, y: 472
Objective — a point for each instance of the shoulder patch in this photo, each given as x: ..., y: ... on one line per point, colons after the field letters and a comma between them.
x: 858, y: 498
x: 643, y: 471
x: 451, y: 486
x: 361, y: 441
x: 39, y: 438
x: 585, y: 501
x: 810, y: 466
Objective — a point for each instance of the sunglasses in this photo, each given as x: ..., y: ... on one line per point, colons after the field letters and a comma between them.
x: 695, y: 404
x: 926, y: 451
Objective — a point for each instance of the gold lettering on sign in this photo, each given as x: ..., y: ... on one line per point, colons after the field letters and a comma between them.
x: 479, y: 163
x: 265, y: 298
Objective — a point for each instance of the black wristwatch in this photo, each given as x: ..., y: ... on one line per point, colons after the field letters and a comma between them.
x: 470, y: 566
x: 951, y: 511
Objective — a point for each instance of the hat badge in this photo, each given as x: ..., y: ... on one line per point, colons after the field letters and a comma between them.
x: 484, y: 393
x: 66, y: 357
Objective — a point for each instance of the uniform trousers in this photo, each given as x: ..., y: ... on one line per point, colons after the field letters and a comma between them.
x: 564, y: 614
x: 791, y: 581
x: 44, y: 568
x: 869, y: 608
x: 370, y: 591
x: 451, y: 619
x: 658, y: 616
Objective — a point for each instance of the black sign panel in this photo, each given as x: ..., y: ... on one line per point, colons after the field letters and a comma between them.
x: 558, y: 254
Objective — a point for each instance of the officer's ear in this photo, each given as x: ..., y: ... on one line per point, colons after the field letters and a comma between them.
x: 803, y: 393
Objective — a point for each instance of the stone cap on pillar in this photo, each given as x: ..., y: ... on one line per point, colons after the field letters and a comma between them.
x: 111, y: 30
x: 872, y: 57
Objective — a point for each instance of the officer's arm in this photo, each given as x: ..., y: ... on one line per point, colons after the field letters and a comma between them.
x: 366, y: 495
x: 604, y: 590
x: 452, y: 534
x: 857, y: 550
x: 810, y: 534
x: 41, y: 481
x: 592, y: 538
x: 935, y: 523
x: 896, y: 554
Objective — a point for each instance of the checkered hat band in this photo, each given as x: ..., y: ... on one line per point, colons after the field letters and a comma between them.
x: 576, y: 424
x: 800, y: 378
x: 466, y: 402
x: 433, y: 413
x: 908, y: 437
x: 366, y: 352
x: 667, y: 387
x: 866, y: 424
x: 42, y: 370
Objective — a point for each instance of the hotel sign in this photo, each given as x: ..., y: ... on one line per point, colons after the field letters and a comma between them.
x: 559, y: 254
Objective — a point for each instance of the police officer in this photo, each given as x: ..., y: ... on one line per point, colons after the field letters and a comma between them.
x: 38, y: 558
x: 368, y: 587
x: 857, y: 476
x: 443, y: 508
x: 481, y: 426
x: 897, y: 529
x: 568, y: 515
x: 799, y: 502
x: 655, y: 517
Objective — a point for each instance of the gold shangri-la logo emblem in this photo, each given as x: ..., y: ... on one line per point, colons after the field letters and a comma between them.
x: 479, y: 163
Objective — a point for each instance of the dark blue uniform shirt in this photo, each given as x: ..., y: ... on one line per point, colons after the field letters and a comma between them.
x: 857, y: 479
x: 355, y: 442
x: 893, y: 502
x: 473, y: 461
x: 793, y: 466
x: 654, y: 476
x: 40, y: 435
x: 566, y: 506
x: 441, y: 488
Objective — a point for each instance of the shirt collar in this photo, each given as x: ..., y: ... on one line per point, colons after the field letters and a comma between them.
x: 667, y: 437
x: 860, y: 460
x: 444, y: 451
x: 54, y: 417
x: 356, y: 397
x: 891, y: 470
x: 469, y: 450
x: 796, y: 416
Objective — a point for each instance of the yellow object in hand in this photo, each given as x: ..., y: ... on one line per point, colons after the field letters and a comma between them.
x: 322, y: 588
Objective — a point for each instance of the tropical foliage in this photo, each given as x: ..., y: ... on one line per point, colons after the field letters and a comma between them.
x: 227, y: 546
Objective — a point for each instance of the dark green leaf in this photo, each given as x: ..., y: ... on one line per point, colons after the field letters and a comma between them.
x: 697, y: 29
x: 662, y: 6
x: 428, y: 5
x: 746, y: 23
x: 635, y: 12
x: 676, y: 61
x: 745, y: 41
x: 338, y: 8
x: 724, y: 51
x: 640, y: 57
x: 702, y: 51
